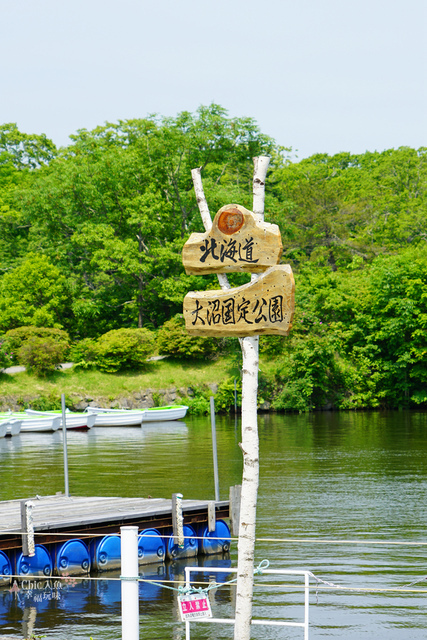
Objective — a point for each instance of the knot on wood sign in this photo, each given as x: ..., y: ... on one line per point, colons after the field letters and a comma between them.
x: 237, y: 241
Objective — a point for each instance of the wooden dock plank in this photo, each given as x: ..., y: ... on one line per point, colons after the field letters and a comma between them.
x: 59, y: 512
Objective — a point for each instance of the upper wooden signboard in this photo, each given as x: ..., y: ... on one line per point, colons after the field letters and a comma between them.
x: 237, y: 241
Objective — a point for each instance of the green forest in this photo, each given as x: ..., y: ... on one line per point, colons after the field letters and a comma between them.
x: 92, y: 234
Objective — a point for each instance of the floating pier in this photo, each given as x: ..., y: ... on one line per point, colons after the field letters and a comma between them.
x: 82, y: 533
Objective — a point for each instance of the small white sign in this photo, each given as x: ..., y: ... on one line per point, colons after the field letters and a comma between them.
x: 194, y: 606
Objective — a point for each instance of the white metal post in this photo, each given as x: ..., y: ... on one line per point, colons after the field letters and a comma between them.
x: 64, y: 439
x: 214, y: 448
x: 130, y: 595
x: 306, y: 602
x: 264, y: 621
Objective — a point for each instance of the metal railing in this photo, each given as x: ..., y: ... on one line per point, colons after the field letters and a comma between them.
x: 303, y: 625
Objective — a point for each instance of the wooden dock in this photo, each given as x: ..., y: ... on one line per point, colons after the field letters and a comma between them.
x: 58, y: 518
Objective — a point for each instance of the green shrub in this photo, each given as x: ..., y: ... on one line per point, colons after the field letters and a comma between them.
x: 84, y: 354
x: 198, y: 401
x: 49, y: 402
x: 197, y: 406
x: 295, y: 395
x: 123, y: 349
x: 42, y: 355
x: 271, y: 345
x: 16, y: 338
x: 308, y: 376
x: 6, y: 356
x: 224, y: 397
x: 173, y: 340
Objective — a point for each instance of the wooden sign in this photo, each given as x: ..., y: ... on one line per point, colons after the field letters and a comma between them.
x: 238, y: 241
x: 265, y: 306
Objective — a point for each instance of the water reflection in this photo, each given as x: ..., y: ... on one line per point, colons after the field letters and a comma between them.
x: 346, y: 476
x: 67, y: 604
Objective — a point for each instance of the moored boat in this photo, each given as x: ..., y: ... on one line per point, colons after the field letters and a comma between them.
x: 31, y: 424
x: 73, y: 420
x: 121, y: 418
x: 13, y: 427
x: 9, y: 427
x: 136, y: 417
x: 160, y: 414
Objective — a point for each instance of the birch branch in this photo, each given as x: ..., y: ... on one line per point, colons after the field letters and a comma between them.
x: 206, y: 216
x: 260, y: 172
x: 201, y: 198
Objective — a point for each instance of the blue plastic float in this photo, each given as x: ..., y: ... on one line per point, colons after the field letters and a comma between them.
x: 40, y: 564
x: 217, y: 541
x: 71, y: 558
x: 151, y: 547
x: 5, y: 569
x: 190, y: 548
x: 105, y: 553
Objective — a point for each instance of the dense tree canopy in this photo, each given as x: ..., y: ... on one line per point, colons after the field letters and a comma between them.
x: 92, y: 237
x: 114, y: 208
x: 20, y: 153
x: 34, y: 293
x: 341, y: 207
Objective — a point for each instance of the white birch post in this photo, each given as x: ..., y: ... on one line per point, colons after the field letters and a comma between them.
x: 249, y: 444
x: 250, y: 449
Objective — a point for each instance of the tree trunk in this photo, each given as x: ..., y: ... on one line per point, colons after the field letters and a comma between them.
x: 140, y: 297
x: 250, y: 449
x: 249, y: 444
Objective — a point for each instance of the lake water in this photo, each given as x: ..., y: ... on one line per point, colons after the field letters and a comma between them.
x: 332, y: 486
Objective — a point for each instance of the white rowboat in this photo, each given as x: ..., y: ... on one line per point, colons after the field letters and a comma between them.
x: 162, y: 414
x: 72, y: 420
x: 137, y: 417
x: 32, y: 423
x: 13, y: 427
x: 9, y: 427
x: 121, y: 419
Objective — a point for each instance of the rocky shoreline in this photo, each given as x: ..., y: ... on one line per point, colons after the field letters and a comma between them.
x: 142, y: 399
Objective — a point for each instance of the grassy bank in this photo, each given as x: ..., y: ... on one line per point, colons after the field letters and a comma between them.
x: 162, y: 374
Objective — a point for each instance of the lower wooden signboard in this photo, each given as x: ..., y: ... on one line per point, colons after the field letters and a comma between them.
x: 265, y: 306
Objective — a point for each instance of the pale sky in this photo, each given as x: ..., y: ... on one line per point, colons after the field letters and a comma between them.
x: 317, y: 75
